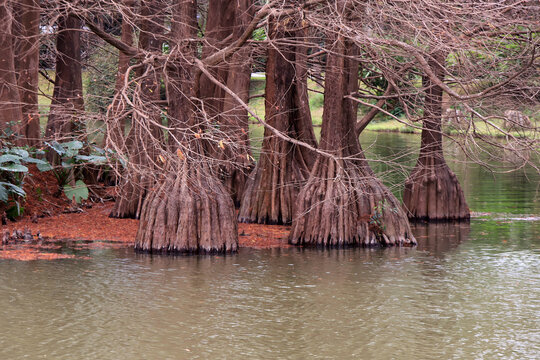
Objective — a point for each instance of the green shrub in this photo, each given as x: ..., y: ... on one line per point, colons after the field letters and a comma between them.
x: 13, y: 172
x: 100, y: 79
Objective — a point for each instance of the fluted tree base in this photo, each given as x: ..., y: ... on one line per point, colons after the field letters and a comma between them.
x: 271, y: 190
x: 190, y: 212
x: 347, y: 206
x: 432, y: 193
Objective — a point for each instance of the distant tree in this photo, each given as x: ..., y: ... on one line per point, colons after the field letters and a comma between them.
x: 283, y: 167
x: 432, y: 191
x: 66, y: 118
x: 11, y: 115
x: 27, y: 38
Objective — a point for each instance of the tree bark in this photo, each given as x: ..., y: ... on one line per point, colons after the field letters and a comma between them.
x: 283, y: 168
x: 10, y: 102
x: 226, y: 18
x: 141, y: 147
x: 116, y: 118
x: 190, y: 211
x: 67, y: 104
x: 432, y: 191
x: 343, y: 203
x: 27, y: 66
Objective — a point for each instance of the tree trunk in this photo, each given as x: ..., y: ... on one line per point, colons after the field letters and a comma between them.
x: 432, y: 191
x: 116, y: 115
x: 283, y: 168
x: 343, y: 203
x: 226, y: 18
x: 27, y: 66
x: 142, y: 147
x: 10, y: 101
x: 65, y: 120
x: 219, y: 25
x: 190, y: 211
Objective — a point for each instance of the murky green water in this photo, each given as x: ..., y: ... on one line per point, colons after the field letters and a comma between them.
x: 466, y: 292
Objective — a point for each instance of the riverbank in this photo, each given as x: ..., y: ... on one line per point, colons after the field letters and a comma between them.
x: 93, y: 228
x: 480, y: 128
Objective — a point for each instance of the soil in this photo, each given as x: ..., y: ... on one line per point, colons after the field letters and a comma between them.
x: 93, y: 228
x: 43, y: 195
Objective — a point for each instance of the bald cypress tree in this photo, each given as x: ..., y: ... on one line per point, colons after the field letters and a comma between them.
x: 432, y: 190
x: 283, y: 167
x: 343, y: 203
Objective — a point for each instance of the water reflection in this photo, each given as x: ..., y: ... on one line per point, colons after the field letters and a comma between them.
x: 440, y: 238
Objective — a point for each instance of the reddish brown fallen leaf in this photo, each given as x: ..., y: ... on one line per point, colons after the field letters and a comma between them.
x: 95, y: 225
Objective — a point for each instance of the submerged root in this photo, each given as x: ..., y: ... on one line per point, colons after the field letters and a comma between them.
x: 432, y: 192
x: 352, y: 208
x: 190, y: 212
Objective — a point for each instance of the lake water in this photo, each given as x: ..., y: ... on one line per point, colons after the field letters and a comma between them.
x: 467, y: 291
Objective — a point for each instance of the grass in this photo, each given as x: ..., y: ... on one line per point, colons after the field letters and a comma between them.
x: 316, y: 100
x: 480, y: 128
x: 392, y: 125
x: 45, y: 93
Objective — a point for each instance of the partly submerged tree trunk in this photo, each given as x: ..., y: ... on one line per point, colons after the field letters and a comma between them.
x: 343, y: 203
x: 10, y: 101
x: 65, y: 120
x: 283, y: 167
x: 234, y: 117
x: 432, y: 191
x: 27, y: 55
x: 141, y: 147
x: 226, y: 18
x: 190, y: 210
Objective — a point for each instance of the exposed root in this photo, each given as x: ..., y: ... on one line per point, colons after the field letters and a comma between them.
x: 339, y: 208
x: 190, y: 212
x: 432, y: 193
x: 272, y: 188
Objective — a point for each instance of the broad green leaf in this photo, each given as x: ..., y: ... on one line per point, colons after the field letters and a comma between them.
x: 3, y: 193
x: 21, y: 152
x: 14, y: 168
x: 73, y: 145
x: 10, y: 158
x: 35, y: 161
x: 72, y: 148
x: 56, y: 147
x: 99, y: 150
x: 93, y: 159
x: 79, y: 191
x: 68, y: 164
x: 6, y: 188
x: 44, y: 167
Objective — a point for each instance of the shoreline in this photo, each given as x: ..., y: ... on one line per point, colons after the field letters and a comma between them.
x: 93, y: 228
